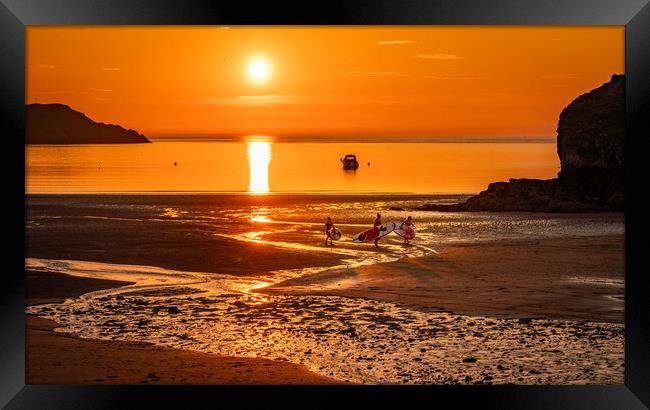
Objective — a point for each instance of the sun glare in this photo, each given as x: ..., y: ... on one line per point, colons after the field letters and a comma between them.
x: 259, y: 157
x: 258, y: 70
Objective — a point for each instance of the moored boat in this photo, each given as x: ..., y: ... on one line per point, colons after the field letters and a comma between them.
x: 350, y: 162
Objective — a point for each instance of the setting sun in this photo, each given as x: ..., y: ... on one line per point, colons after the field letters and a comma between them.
x: 258, y: 70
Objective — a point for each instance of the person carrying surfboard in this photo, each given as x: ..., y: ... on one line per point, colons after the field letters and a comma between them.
x: 377, y: 223
x: 408, y: 222
x: 328, y: 226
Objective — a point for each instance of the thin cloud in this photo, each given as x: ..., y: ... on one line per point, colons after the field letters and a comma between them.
x: 382, y: 73
x: 266, y: 99
x: 54, y: 92
x: 558, y: 76
x: 297, y: 100
x: 439, y: 56
x: 46, y: 66
x: 457, y: 77
x: 100, y: 90
x: 385, y: 73
x: 394, y: 42
x: 111, y: 69
x: 250, y: 100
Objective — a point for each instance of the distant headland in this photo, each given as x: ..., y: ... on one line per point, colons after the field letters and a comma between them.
x: 60, y: 124
x: 590, y: 136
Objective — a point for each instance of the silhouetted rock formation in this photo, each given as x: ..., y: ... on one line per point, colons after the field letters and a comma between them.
x: 591, y: 132
x: 590, y: 138
x: 530, y: 195
x: 60, y: 124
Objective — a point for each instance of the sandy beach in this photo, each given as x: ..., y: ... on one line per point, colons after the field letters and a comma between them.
x: 61, y: 358
x: 553, y: 309
x: 243, y: 288
x: 566, y: 279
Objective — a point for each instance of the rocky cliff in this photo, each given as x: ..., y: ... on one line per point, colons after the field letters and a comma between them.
x: 590, y: 137
x: 60, y: 124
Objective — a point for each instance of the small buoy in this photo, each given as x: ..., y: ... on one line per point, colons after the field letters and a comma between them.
x: 174, y: 163
x: 99, y: 167
x: 368, y: 163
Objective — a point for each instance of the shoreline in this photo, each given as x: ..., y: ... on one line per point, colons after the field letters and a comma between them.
x: 467, y: 279
x: 461, y: 280
x: 63, y: 358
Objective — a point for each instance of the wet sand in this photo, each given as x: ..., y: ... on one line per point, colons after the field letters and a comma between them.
x: 174, y: 232
x: 543, y: 312
x: 59, y: 358
x: 554, y: 279
x: 53, y: 287
x: 477, y: 298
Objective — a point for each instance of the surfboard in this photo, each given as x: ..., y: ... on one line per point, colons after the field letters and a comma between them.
x: 405, y: 231
x: 335, y: 234
x: 374, y: 233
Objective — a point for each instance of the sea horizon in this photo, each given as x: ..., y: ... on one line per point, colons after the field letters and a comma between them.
x: 189, y: 137
x: 259, y: 166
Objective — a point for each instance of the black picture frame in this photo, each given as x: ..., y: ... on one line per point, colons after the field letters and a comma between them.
x: 16, y: 14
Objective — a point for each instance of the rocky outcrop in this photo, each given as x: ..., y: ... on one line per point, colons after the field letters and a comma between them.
x: 590, y: 137
x: 523, y: 195
x: 590, y: 144
x: 60, y: 124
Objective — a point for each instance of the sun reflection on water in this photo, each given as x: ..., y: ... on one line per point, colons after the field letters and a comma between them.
x: 259, y: 157
x: 260, y: 218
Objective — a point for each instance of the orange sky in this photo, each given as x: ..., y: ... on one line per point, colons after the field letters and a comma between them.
x: 339, y: 81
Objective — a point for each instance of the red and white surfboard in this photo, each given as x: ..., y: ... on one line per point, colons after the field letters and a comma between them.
x: 374, y: 233
x: 405, y: 231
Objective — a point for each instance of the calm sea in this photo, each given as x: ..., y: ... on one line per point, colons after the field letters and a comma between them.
x: 284, y: 167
